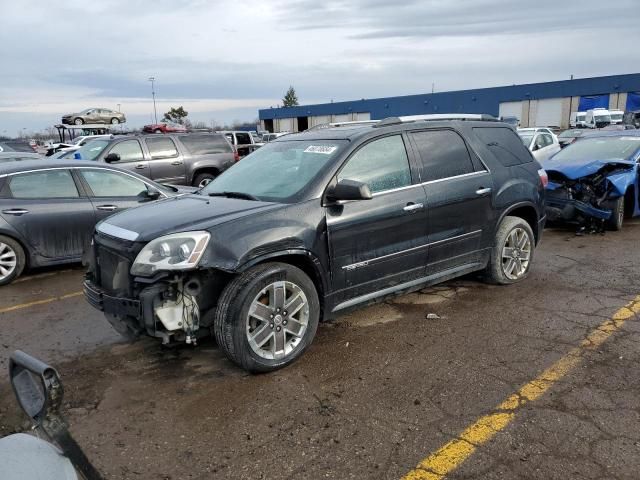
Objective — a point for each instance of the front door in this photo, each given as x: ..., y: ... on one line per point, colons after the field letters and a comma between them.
x: 378, y: 243
x: 47, y: 210
x: 131, y: 157
x: 167, y: 165
x: 459, y: 199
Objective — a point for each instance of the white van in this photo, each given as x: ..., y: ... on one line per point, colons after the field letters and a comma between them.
x: 597, y: 118
x: 616, y: 116
x: 577, y: 119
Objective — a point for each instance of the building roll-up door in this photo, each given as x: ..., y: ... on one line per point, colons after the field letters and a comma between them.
x: 511, y: 109
x: 593, y: 101
x: 549, y: 112
x: 363, y: 116
x: 633, y: 102
x: 341, y: 118
x: 286, y: 125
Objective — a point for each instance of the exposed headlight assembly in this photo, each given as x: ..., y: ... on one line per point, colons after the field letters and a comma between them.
x: 178, y: 251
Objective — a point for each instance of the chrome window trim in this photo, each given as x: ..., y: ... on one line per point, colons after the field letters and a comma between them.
x: 483, y: 172
x: 365, y: 263
x: 117, y: 232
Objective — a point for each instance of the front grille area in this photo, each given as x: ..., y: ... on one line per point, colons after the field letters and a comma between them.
x: 113, y: 271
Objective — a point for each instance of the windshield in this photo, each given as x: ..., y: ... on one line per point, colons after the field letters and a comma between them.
x: 602, y: 118
x: 581, y: 116
x: 601, y: 148
x: 616, y: 116
x: 526, y: 138
x: 570, y: 133
x: 279, y: 170
x: 91, y: 150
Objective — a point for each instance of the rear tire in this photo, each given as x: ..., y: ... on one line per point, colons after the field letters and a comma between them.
x: 157, y: 130
x: 617, y: 215
x: 512, y: 252
x: 203, y: 179
x: 259, y: 345
x: 12, y: 260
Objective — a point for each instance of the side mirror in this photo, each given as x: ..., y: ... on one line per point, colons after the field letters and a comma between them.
x: 349, y: 190
x: 112, y: 158
x: 152, y: 194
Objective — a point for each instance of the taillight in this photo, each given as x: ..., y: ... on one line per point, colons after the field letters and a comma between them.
x: 236, y: 155
x: 544, y: 178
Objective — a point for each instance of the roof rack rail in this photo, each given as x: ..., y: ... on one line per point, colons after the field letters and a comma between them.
x: 437, y: 116
x: 343, y: 124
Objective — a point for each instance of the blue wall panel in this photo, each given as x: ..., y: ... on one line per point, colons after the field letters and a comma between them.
x: 633, y: 101
x: 483, y: 100
x: 593, y: 101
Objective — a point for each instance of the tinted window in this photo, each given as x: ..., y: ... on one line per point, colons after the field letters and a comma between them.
x: 381, y: 164
x: 104, y: 183
x: 129, y: 151
x: 547, y: 139
x: 204, y: 144
x: 243, y: 138
x: 505, y: 145
x: 443, y: 154
x: 47, y: 184
x: 162, y: 147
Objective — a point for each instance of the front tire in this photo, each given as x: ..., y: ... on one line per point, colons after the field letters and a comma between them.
x: 115, y: 121
x: 617, y: 214
x: 157, y: 130
x: 267, y: 317
x: 78, y: 121
x: 512, y: 252
x: 12, y: 260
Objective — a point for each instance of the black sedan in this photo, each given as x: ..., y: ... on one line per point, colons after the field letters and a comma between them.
x: 48, y: 208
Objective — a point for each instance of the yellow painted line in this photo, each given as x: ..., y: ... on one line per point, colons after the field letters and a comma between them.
x: 451, y: 455
x: 20, y: 306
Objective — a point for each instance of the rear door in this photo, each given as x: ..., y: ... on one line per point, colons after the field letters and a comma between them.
x: 378, y: 243
x: 458, y: 199
x: 48, y: 210
x: 166, y: 162
x: 131, y: 156
x: 111, y: 191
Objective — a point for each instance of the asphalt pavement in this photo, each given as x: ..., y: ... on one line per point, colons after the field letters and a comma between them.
x: 537, y: 380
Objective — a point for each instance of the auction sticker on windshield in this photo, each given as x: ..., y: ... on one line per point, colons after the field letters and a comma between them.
x: 323, y: 149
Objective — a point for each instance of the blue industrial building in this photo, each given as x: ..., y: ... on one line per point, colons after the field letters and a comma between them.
x: 534, y: 104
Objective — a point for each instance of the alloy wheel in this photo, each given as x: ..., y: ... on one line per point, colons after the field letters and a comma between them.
x: 8, y: 260
x: 277, y: 320
x: 516, y: 254
x: 204, y: 182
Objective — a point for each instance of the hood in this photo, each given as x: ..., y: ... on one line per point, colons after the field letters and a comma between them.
x: 179, y: 214
x: 578, y: 168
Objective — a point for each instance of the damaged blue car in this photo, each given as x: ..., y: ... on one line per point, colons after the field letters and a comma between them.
x: 594, y: 181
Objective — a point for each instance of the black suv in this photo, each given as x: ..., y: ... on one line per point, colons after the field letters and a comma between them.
x: 315, y: 223
x: 181, y: 159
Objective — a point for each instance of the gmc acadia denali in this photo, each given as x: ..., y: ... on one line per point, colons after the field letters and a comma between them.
x: 316, y: 223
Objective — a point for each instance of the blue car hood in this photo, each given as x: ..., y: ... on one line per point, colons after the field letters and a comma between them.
x: 574, y: 169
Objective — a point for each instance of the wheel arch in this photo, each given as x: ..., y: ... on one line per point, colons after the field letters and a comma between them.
x: 27, y: 251
x: 525, y: 210
x: 203, y: 169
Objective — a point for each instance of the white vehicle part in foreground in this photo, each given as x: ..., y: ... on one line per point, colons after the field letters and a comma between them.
x: 181, y: 314
x: 25, y: 457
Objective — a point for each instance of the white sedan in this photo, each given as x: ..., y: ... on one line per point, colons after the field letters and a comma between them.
x: 542, y: 142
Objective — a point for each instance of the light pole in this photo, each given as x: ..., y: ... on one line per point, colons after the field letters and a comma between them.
x: 153, y: 95
x: 118, y: 108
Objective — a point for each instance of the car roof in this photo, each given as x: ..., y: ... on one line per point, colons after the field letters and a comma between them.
x: 45, y: 163
x: 356, y: 131
x: 612, y: 133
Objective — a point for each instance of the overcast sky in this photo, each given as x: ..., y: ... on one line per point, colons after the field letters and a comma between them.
x: 223, y: 60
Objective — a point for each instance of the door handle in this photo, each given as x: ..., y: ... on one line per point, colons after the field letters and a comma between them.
x: 107, y: 208
x: 15, y: 211
x: 483, y: 191
x: 177, y: 162
x: 412, y: 207
x: 140, y: 166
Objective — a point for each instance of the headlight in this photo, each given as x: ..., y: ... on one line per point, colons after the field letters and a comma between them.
x: 179, y: 251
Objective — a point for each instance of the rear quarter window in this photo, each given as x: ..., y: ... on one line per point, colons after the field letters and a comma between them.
x: 504, y: 144
x: 205, y: 144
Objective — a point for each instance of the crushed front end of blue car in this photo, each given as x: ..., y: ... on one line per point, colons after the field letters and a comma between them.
x: 587, y: 194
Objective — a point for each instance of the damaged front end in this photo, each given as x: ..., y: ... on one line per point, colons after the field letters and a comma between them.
x: 588, y: 200
x: 168, y: 304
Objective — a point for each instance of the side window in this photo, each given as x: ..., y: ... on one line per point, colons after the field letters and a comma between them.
x: 243, y: 138
x: 548, y: 140
x: 230, y: 138
x: 129, y: 151
x: 381, y: 164
x: 205, y: 144
x: 104, y: 183
x: 46, y: 184
x: 505, y: 145
x: 443, y: 154
x: 162, y: 147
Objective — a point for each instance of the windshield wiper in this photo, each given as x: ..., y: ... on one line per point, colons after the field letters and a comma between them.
x: 242, y: 195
